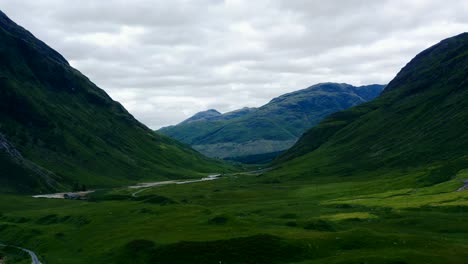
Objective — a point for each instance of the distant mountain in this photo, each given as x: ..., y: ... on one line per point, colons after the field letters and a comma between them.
x: 202, y: 116
x: 58, y: 129
x: 420, y: 121
x: 252, y: 134
x: 214, y: 115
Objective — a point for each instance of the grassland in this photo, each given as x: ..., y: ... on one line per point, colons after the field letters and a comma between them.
x: 383, y: 217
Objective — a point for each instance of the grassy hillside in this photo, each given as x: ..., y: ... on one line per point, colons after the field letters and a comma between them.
x: 271, y: 128
x: 59, y: 120
x: 421, y: 119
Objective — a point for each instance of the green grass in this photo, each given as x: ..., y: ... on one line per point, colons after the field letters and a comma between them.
x: 251, y: 219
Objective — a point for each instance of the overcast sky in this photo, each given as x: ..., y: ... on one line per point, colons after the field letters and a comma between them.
x: 165, y: 60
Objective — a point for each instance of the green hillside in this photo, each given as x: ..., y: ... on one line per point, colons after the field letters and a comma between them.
x: 69, y: 131
x: 246, y: 133
x: 421, y: 119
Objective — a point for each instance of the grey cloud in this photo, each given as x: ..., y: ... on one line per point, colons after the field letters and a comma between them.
x: 165, y: 60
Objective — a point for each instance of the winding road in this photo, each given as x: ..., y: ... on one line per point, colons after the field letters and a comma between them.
x: 464, y: 187
x: 34, y: 258
x: 142, y: 186
x: 148, y: 185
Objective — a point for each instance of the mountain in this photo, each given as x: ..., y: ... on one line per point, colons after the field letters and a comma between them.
x: 205, y: 115
x: 58, y: 129
x: 420, y: 120
x: 253, y: 134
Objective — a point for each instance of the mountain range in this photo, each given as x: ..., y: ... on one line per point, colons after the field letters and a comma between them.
x: 259, y: 134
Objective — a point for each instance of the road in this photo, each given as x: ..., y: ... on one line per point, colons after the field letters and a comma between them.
x: 145, y: 186
x: 148, y: 185
x: 464, y: 187
x: 34, y: 258
x: 62, y: 195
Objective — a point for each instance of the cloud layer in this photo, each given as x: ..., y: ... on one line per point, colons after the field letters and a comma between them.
x: 166, y: 60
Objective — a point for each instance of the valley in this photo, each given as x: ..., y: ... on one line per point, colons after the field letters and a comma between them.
x: 333, y: 173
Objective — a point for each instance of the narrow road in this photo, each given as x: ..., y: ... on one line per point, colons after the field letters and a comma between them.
x: 137, y: 192
x: 62, y: 195
x: 464, y: 187
x: 34, y: 258
x: 148, y: 185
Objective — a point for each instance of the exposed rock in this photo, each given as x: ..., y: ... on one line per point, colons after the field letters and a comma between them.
x: 10, y: 150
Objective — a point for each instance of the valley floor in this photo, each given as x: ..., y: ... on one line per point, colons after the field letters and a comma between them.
x: 250, y: 219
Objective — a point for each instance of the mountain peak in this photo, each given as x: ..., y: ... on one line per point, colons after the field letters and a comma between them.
x: 29, y: 40
x: 418, y: 72
x: 332, y: 87
x: 3, y: 15
x: 203, y: 115
x: 212, y: 111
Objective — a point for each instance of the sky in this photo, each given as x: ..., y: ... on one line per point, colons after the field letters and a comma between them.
x: 166, y: 60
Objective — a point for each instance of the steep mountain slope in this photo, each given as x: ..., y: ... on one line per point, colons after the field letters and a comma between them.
x: 420, y: 120
x: 271, y: 128
x: 61, y: 128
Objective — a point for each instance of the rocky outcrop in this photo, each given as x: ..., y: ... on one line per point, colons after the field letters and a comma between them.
x: 9, y: 149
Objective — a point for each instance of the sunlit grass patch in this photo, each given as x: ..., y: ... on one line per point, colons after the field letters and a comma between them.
x: 412, y: 200
x: 442, y: 194
x: 346, y: 216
